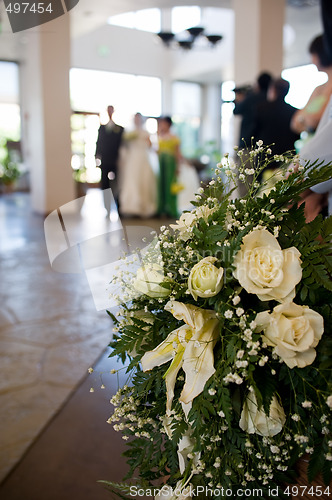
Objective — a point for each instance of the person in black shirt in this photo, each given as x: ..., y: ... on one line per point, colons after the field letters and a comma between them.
x: 272, y: 119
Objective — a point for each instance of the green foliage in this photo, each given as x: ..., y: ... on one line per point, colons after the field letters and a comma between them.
x: 120, y: 490
x: 9, y: 168
x: 316, y: 462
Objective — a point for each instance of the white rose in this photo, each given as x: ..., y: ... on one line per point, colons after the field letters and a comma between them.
x: 205, y: 279
x: 294, y: 331
x: 329, y: 401
x: 255, y: 421
x: 263, y: 268
x: 150, y: 280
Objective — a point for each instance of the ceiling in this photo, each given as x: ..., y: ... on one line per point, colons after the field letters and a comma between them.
x: 305, y: 13
x: 86, y: 18
x: 302, y: 19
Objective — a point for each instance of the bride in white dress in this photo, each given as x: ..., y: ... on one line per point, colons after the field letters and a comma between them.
x: 138, y: 192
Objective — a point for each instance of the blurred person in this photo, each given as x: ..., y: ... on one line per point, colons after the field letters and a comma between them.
x: 318, y: 199
x: 272, y: 126
x: 138, y: 193
x: 326, y: 15
x: 169, y: 163
x: 189, y: 183
x: 107, y: 152
x: 307, y: 119
x: 273, y: 118
x: 246, y: 104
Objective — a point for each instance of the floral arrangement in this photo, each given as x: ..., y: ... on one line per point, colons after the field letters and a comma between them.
x: 227, y: 333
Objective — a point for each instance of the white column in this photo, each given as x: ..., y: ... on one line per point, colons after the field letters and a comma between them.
x: 166, y: 98
x: 258, y: 41
x: 46, y: 114
x: 211, y: 114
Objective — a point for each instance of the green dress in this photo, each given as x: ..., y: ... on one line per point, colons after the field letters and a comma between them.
x: 167, y: 200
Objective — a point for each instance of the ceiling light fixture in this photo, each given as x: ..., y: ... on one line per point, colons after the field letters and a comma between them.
x: 188, y: 38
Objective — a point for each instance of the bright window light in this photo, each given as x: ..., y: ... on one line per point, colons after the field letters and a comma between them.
x: 184, y: 18
x: 10, y: 121
x: 303, y: 80
x: 129, y: 94
x: 148, y: 20
x: 10, y: 124
x: 144, y: 20
x: 9, y: 91
x: 227, y: 91
x: 126, y: 20
x: 148, y: 95
x: 186, y: 99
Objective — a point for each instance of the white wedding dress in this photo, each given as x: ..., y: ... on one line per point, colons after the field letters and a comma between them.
x: 189, y: 179
x: 138, y: 188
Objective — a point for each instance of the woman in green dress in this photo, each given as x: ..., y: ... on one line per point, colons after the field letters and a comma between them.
x: 169, y: 160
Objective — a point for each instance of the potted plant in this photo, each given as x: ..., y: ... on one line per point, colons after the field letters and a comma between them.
x: 9, y: 169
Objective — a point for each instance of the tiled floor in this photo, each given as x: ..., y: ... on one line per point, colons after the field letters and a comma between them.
x: 50, y: 330
x: 76, y: 449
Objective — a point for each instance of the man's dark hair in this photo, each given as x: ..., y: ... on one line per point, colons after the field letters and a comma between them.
x: 281, y: 87
x: 317, y: 47
x: 263, y: 81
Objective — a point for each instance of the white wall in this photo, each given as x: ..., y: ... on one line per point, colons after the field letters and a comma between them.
x: 125, y: 51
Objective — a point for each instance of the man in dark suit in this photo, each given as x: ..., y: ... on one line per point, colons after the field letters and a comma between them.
x: 107, y: 151
x: 246, y: 104
x: 272, y: 120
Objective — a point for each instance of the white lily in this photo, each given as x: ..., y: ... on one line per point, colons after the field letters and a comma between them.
x: 185, y: 225
x: 180, y: 492
x: 186, y: 443
x: 189, y: 347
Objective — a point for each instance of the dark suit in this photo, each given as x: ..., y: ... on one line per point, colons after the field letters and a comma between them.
x: 107, y: 149
x: 247, y: 109
x: 326, y: 15
x: 272, y: 125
